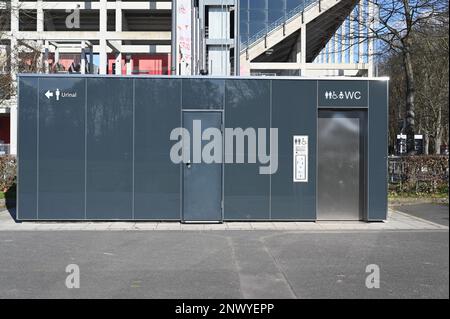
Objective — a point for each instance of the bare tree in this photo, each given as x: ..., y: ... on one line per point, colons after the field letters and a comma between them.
x: 392, y: 25
x: 429, y: 50
x: 431, y: 63
x: 27, y: 55
x: 397, y: 21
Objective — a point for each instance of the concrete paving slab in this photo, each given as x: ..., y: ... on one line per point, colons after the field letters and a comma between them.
x: 262, y: 225
x: 168, y: 226
x: 145, y: 226
x: 121, y: 226
x: 396, y: 221
x: 98, y: 226
x: 216, y: 226
x: 192, y: 227
x: 238, y: 225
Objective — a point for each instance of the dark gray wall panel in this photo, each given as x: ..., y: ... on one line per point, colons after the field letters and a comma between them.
x: 378, y: 147
x: 157, y: 179
x: 109, y: 148
x: 125, y: 139
x: 27, y: 149
x: 246, y: 191
x: 294, y: 112
x: 61, y: 149
x: 203, y: 93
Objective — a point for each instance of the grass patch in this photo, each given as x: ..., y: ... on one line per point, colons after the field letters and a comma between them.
x: 418, y: 195
x: 9, y: 194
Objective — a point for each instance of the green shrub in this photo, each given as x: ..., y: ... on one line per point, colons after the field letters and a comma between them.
x: 419, y: 175
x: 8, y: 168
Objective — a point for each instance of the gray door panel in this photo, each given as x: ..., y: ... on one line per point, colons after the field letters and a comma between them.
x: 202, y: 182
x: 341, y: 144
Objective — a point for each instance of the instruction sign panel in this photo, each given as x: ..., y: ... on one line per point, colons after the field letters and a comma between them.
x: 300, y: 158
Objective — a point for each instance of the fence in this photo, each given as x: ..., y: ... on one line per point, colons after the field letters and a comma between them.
x: 418, y: 174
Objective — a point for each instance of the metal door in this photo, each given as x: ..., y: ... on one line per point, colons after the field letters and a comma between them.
x: 341, y: 165
x: 202, y: 182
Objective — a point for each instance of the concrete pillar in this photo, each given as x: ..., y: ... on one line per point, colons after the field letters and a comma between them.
x: 13, y: 128
x: 118, y: 63
x: 40, y: 28
x: 14, y: 58
x: 14, y: 65
x: 102, y: 57
x: 83, y: 58
x: 91, y: 59
x: 46, y: 52
x: 56, y: 55
x: 303, y: 49
x: 118, y: 60
x: 102, y: 41
x: 298, y: 50
x: 128, y: 64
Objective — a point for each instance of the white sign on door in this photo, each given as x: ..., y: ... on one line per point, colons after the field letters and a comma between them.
x: 300, y: 158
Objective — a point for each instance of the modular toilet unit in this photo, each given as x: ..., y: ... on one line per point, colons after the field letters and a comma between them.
x: 201, y: 149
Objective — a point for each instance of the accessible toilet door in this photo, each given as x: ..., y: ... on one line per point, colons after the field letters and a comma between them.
x: 202, y: 181
x: 341, y: 165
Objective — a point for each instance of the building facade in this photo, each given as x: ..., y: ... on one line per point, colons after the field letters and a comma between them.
x: 184, y: 37
x: 202, y: 149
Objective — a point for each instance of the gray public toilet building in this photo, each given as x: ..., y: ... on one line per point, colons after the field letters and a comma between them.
x: 101, y: 148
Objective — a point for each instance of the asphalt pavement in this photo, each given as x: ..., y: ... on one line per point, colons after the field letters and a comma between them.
x: 434, y: 212
x: 224, y: 264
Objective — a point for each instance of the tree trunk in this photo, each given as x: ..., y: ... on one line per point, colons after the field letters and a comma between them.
x: 410, y: 95
x: 438, y: 138
x: 426, y: 144
x: 438, y: 142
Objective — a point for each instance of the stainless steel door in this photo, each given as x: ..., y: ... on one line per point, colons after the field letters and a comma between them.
x: 202, y: 182
x: 341, y: 165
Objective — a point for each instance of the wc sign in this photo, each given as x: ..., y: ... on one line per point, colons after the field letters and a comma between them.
x: 348, y: 95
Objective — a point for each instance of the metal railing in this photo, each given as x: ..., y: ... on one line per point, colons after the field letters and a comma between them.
x: 274, y: 26
x: 409, y: 173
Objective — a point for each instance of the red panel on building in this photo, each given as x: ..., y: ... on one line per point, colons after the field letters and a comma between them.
x: 153, y: 64
x: 4, y: 129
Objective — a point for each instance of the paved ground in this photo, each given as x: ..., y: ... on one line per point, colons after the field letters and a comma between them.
x: 396, y: 221
x: 224, y: 264
x: 231, y: 260
x: 434, y: 212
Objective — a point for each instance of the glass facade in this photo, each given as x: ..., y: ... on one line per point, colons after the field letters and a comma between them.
x: 257, y: 15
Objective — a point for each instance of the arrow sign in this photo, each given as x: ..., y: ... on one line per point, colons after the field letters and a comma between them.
x: 48, y: 94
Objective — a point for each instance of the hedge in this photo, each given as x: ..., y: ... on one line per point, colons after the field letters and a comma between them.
x: 7, y: 172
x: 419, y: 174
